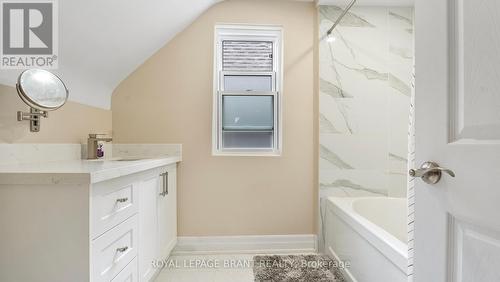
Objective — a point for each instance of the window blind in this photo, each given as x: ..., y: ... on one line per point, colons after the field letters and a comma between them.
x: 247, y: 55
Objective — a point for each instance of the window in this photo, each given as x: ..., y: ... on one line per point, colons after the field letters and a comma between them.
x: 247, y: 90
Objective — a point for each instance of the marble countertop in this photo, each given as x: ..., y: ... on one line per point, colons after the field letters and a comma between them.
x: 78, y: 171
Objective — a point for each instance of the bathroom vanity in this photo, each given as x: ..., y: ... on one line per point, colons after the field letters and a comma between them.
x: 79, y: 220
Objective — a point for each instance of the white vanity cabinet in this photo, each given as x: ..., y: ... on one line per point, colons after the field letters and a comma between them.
x: 158, y: 219
x: 148, y: 225
x: 167, y: 212
x: 64, y: 227
x: 151, y: 198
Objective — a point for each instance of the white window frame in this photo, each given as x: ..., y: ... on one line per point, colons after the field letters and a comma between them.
x: 272, y: 33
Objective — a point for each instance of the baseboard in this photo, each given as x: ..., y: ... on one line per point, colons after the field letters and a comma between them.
x: 267, y: 244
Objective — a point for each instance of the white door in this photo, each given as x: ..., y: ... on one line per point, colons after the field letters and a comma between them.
x: 167, y: 212
x: 457, y: 220
x: 148, y: 226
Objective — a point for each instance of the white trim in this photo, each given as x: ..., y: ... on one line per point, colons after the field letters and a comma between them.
x: 260, y: 32
x: 265, y: 244
x: 246, y: 73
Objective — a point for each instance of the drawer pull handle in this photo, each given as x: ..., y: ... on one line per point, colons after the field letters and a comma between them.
x: 122, y: 200
x: 164, y: 191
x: 122, y: 249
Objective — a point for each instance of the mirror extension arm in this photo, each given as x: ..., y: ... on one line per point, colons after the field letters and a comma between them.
x: 42, y: 91
x: 34, y: 117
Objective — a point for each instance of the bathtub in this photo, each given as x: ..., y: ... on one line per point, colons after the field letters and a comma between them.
x: 370, y: 234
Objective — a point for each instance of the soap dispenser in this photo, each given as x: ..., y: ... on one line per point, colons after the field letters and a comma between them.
x: 100, y: 151
x: 95, y: 146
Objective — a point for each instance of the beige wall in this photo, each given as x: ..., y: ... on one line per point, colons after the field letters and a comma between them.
x: 69, y: 124
x: 169, y: 100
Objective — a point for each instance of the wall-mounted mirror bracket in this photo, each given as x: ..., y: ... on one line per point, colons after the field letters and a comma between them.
x: 42, y: 91
x: 34, y: 117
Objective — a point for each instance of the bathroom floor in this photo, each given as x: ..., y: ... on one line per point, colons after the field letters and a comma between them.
x: 211, y: 268
x: 240, y: 268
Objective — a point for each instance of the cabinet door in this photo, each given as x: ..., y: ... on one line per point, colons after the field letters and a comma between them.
x: 167, y: 212
x: 148, y: 226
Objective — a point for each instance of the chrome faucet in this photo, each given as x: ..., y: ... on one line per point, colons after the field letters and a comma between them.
x: 92, y: 144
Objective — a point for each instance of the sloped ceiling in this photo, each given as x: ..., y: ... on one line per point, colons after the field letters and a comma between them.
x: 102, y: 42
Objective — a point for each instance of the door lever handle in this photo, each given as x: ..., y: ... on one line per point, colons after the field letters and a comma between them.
x: 421, y: 172
x: 430, y: 172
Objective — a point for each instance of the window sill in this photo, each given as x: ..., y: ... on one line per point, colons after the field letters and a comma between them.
x: 245, y: 154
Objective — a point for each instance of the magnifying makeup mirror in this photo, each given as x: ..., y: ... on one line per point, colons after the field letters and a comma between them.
x: 43, y: 91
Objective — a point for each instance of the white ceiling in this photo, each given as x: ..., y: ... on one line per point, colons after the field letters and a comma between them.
x: 102, y: 42
x: 368, y: 2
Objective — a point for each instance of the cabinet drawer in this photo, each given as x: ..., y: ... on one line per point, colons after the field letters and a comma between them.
x: 112, y: 203
x: 112, y: 251
x: 128, y: 274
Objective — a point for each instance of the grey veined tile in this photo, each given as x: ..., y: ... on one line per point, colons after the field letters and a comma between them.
x: 401, y: 17
x: 360, y: 151
x: 369, y: 73
x: 351, y: 19
x: 325, y: 126
x: 346, y: 183
x: 404, y: 53
x: 334, y: 114
x: 354, y: 182
x: 333, y: 158
x: 332, y: 89
x: 396, y: 157
x: 399, y: 85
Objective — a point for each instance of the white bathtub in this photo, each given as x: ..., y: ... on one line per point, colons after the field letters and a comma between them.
x: 370, y: 234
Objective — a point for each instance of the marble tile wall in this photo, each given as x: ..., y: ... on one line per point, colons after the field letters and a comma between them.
x: 364, y: 102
